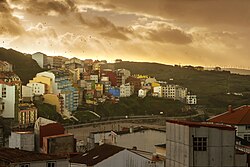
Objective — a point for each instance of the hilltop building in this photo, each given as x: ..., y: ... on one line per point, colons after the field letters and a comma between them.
x: 41, y: 59
x: 5, y: 66
x: 61, y: 85
x: 73, y: 63
x: 126, y: 90
x: 191, y: 99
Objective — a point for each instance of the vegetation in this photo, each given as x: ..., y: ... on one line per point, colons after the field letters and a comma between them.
x: 133, y: 106
x: 211, y: 87
x: 48, y: 111
x: 23, y: 65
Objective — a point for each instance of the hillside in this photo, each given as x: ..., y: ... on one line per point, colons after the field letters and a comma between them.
x: 210, y: 86
x: 23, y: 65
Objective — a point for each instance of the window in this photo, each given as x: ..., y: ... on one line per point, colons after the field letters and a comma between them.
x: 51, y: 164
x: 24, y: 165
x: 247, y: 137
x: 247, y: 127
x: 200, y: 143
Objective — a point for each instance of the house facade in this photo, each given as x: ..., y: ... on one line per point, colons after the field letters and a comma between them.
x: 238, y: 117
x: 194, y: 144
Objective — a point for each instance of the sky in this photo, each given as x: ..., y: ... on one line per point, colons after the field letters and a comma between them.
x: 195, y: 32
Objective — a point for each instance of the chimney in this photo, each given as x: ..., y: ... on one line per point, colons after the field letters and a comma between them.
x: 230, y: 110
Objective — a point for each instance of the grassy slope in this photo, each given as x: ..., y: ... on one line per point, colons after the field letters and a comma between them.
x: 210, y: 86
x: 23, y: 65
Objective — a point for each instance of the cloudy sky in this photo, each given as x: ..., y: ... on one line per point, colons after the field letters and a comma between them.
x: 196, y: 32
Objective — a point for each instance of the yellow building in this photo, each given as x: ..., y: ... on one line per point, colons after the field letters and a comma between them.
x: 99, y: 90
x: 139, y: 76
x: 45, y: 80
x: 56, y: 100
x: 155, y: 84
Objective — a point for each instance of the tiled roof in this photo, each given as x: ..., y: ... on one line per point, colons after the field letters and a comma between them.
x: 238, y: 116
x: 96, y: 155
x: 202, y: 124
x: 12, y: 155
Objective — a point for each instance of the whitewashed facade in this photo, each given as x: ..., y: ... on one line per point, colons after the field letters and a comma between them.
x: 37, y: 88
x: 8, y: 100
x: 191, y: 99
x: 142, y: 93
x: 125, y: 90
x: 22, y: 140
x: 157, y: 91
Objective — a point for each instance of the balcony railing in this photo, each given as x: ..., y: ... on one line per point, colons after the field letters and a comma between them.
x: 245, y: 149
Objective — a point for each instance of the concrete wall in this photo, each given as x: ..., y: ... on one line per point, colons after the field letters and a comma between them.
x: 22, y: 140
x: 177, y: 145
x: 27, y: 91
x: 9, y: 100
x: 220, y: 147
x: 144, y: 140
x: 60, y: 144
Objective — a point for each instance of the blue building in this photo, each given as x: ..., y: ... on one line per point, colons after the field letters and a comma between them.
x: 114, y: 91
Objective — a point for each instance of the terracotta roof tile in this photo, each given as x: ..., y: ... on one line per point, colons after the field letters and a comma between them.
x: 12, y: 155
x: 96, y: 155
x: 238, y: 116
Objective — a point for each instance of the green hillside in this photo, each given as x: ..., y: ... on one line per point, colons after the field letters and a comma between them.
x: 23, y: 65
x: 210, y: 86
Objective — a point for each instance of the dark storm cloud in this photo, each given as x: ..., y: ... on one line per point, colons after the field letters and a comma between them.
x: 9, y: 24
x: 199, y: 12
x: 46, y: 6
x: 108, y: 28
x: 168, y: 35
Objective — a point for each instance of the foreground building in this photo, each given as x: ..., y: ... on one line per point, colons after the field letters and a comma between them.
x: 238, y: 117
x: 20, y: 158
x: 113, y: 156
x: 197, y: 144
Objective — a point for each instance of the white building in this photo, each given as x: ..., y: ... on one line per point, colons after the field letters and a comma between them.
x: 8, y: 100
x: 201, y: 144
x: 22, y: 141
x: 41, y: 59
x: 113, y: 156
x: 125, y: 90
x: 150, y: 80
x: 169, y: 91
x: 238, y: 117
x: 94, y: 78
x: 37, y: 88
x: 191, y: 99
x: 142, y: 93
x: 157, y: 91
x: 26, y: 93
x: 61, y: 84
x: 181, y: 93
x: 132, y: 138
